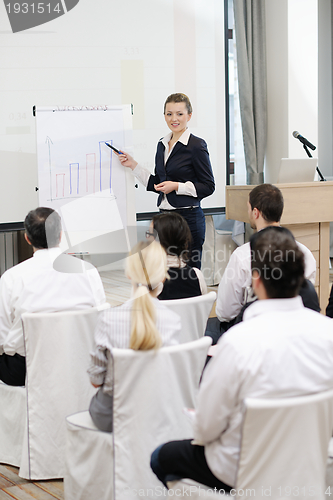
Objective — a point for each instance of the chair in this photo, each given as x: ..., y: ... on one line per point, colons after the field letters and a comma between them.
x: 13, y: 417
x: 32, y: 418
x: 220, y: 238
x: 150, y: 390
x: 194, y: 313
x: 284, y: 450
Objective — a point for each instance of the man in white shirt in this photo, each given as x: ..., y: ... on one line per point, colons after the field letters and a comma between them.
x: 280, y: 350
x: 265, y: 207
x: 47, y: 282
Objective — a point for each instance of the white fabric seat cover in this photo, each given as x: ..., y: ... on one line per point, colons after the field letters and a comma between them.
x: 285, y: 444
x: 194, y: 313
x: 150, y: 390
x: 284, y: 450
x: 88, y: 445
x: 189, y: 488
x: 13, y: 416
x: 57, y: 349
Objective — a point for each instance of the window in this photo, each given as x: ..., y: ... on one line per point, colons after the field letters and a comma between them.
x: 237, y: 168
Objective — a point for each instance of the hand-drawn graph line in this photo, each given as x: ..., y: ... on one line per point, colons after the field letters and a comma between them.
x: 71, y: 165
x: 63, y: 184
x: 74, y: 173
x: 100, y: 164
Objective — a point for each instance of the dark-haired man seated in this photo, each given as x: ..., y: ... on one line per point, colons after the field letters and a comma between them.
x: 47, y: 282
x: 265, y: 208
x: 280, y: 350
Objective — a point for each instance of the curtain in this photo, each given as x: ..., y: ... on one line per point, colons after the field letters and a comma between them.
x: 251, y: 59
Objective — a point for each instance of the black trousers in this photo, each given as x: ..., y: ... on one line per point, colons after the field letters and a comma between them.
x: 12, y: 369
x: 215, y: 329
x: 181, y: 459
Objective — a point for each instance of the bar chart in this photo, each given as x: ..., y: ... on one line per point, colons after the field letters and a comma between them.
x: 89, y: 175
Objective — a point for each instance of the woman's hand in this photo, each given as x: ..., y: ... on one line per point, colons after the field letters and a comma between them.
x: 127, y: 161
x: 166, y: 187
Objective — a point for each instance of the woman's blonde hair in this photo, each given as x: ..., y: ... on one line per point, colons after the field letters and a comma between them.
x: 146, y: 267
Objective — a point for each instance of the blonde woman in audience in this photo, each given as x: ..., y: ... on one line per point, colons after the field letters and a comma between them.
x: 142, y: 323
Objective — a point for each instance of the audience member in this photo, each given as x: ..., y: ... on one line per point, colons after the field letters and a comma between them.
x: 175, y: 237
x: 307, y: 293
x: 280, y: 350
x: 47, y: 282
x: 142, y: 323
x: 329, y: 308
x: 265, y: 207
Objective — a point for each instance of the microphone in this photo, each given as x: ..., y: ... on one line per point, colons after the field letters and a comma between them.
x: 304, y: 141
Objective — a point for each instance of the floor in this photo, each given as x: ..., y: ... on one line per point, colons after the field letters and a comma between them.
x: 12, y: 486
x: 117, y: 287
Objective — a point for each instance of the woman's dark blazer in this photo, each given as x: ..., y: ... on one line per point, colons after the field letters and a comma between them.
x: 187, y: 162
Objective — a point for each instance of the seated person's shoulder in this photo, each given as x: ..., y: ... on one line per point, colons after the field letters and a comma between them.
x: 240, y: 261
x: 17, y: 271
x: 329, y: 308
x: 309, y: 296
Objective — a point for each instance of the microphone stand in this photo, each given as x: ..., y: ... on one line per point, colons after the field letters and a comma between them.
x: 322, y: 178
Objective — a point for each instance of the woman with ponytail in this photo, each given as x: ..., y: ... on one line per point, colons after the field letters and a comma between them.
x: 142, y: 323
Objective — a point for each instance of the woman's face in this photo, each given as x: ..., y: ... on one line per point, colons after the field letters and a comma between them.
x: 176, y: 116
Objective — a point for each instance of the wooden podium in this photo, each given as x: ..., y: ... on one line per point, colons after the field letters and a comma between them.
x: 308, y: 210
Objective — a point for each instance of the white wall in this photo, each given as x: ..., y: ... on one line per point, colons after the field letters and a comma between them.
x: 292, y: 72
x: 302, y: 74
x: 104, y: 52
x: 325, y: 105
x: 277, y: 85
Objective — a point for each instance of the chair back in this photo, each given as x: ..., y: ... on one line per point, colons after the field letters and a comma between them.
x: 284, y: 446
x: 13, y: 418
x: 150, y: 390
x: 194, y: 313
x: 57, y: 357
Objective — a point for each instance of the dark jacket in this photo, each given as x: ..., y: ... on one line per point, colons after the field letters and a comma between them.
x: 183, y: 283
x: 329, y: 308
x: 186, y: 163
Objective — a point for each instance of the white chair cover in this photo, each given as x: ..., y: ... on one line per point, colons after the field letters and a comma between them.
x: 285, y: 445
x: 13, y: 416
x: 194, y: 313
x: 150, y: 390
x: 57, y: 356
x: 189, y: 488
x: 89, y: 456
x: 284, y: 450
x: 217, y: 248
